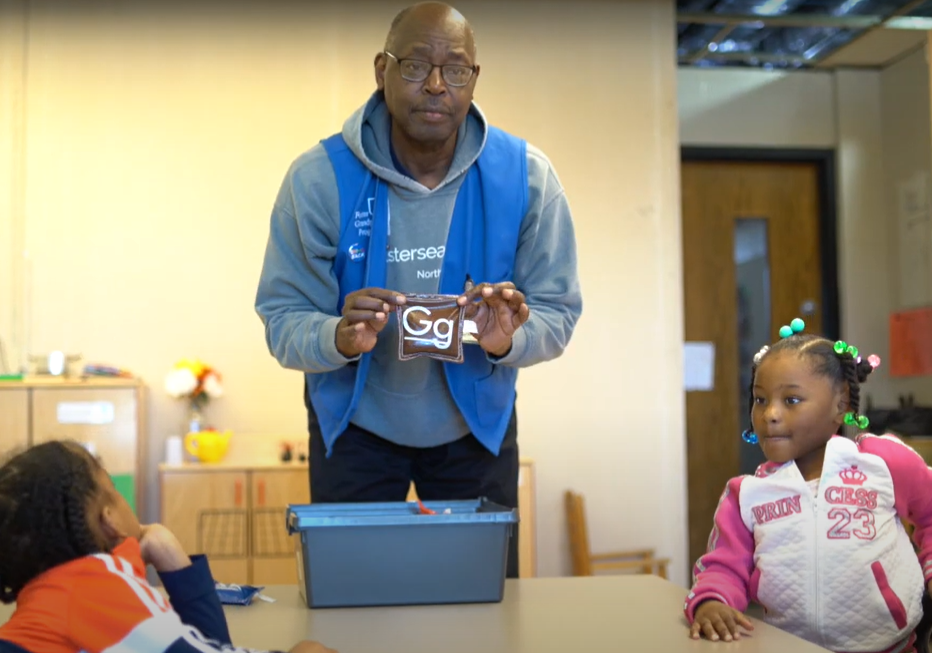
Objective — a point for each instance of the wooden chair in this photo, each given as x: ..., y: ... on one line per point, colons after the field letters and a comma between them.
x: 585, y: 563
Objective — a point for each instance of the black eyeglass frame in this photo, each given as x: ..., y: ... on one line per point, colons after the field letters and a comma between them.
x: 443, y: 69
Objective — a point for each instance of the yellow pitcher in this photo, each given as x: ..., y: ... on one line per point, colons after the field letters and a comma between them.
x: 208, y: 446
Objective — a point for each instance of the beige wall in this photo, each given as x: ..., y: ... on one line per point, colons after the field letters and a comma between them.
x: 156, y: 140
x: 907, y: 140
x: 737, y: 107
x: 12, y: 159
x: 864, y: 261
x: 825, y: 110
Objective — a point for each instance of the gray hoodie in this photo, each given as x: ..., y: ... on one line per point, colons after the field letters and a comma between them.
x: 407, y: 402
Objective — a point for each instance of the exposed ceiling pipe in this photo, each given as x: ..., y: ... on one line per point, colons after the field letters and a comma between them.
x: 711, y: 45
x: 779, y: 32
x: 817, y: 49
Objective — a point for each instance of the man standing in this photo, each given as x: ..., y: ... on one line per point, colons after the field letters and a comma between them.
x: 418, y: 194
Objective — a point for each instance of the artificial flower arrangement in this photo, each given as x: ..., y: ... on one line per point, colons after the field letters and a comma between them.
x: 195, y: 381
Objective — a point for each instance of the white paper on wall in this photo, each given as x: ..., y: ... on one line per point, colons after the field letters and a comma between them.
x: 699, y: 366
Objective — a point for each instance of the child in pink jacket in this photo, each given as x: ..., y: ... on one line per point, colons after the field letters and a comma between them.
x: 816, y: 536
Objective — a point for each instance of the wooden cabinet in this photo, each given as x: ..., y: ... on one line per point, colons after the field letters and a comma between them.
x: 208, y: 512
x: 14, y: 419
x: 236, y: 517
x: 108, y: 415
x: 272, y: 551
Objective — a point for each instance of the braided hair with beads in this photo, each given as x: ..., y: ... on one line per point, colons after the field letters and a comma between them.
x: 45, y: 493
x: 834, y: 360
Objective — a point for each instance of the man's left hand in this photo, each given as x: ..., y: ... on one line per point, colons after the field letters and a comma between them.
x: 498, y: 311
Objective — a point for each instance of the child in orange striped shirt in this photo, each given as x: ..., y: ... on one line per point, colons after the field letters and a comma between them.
x: 73, y: 556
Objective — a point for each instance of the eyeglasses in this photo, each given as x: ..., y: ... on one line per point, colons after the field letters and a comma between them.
x: 415, y: 70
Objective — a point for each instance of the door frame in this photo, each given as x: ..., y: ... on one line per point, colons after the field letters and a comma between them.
x: 828, y: 219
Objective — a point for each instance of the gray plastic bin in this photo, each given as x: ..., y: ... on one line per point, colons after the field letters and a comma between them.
x: 371, y: 554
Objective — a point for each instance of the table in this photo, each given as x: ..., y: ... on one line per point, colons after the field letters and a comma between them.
x: 602, y: 614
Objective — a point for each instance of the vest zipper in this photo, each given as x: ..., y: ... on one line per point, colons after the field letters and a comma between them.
x: 815, y: 594
x: 817, y: 612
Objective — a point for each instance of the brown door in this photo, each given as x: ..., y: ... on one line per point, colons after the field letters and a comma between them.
x: 751, y: 263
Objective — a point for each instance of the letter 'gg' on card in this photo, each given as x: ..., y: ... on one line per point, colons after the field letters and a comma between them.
x: 430, y: 325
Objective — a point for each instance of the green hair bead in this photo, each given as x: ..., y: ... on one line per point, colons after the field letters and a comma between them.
x: 794, y: 327
x: 860, y: 421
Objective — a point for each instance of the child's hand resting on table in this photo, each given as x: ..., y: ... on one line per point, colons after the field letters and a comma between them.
x: 717, y: 621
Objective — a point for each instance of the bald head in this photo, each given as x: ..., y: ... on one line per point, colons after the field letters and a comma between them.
x: 427, y: 74
x: 429, y: 16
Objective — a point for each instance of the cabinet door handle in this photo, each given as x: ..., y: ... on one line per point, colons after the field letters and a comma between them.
x: 261, y: 492
x: 238, y: 494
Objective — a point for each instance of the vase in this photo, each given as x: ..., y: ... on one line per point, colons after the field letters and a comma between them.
x: 195, y: 423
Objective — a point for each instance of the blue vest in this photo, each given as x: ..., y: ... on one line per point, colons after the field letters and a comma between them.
x: 482, y: 243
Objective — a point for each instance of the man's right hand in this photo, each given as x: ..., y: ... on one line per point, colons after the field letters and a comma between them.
x: 365, y: 314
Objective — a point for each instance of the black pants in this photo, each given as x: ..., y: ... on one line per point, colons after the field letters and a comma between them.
x: 364, y: 467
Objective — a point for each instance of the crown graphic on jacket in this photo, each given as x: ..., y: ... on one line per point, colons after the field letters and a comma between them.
x: 853, y: 476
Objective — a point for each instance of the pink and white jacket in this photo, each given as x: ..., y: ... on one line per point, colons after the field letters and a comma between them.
x: 833, y: 566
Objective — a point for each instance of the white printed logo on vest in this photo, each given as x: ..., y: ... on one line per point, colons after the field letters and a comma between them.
x: 362, y: 220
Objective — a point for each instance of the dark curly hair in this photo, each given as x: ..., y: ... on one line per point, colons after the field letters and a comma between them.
x: 45, y: 492
x: 840, y: 368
